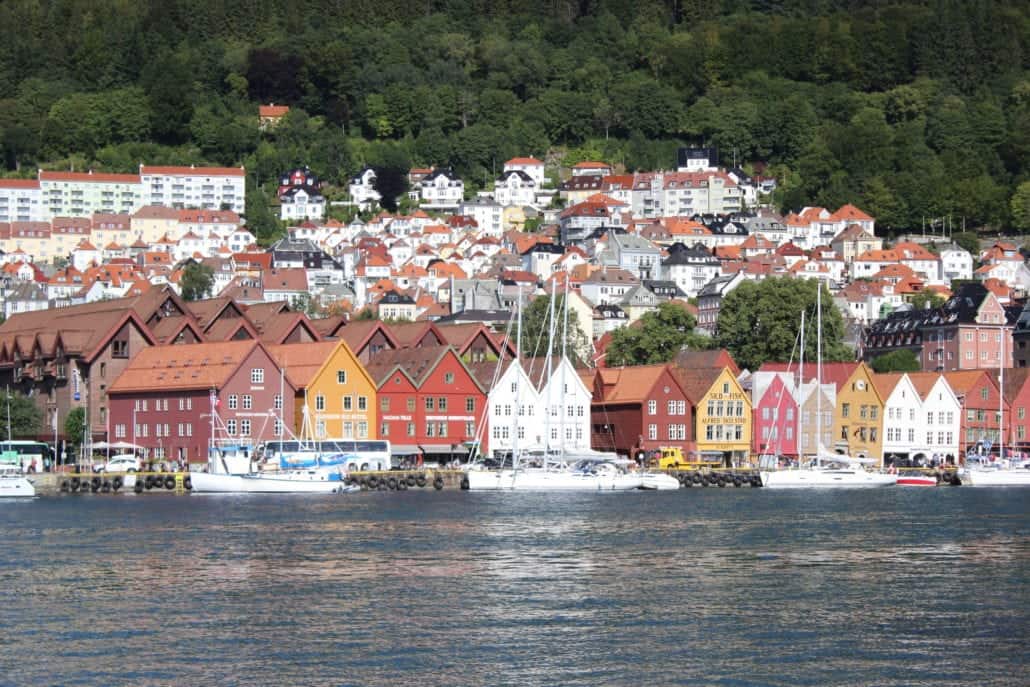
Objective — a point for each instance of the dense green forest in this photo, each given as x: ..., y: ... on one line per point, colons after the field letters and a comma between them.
x: 909, y: 109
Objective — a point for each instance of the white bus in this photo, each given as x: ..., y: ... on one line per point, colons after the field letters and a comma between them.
x: 360, y: 454
x: 30, y: 456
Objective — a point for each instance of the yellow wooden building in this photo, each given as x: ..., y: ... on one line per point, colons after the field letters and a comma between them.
x: 334, y: 390
x: 722, y: 413
x: 858, y: 416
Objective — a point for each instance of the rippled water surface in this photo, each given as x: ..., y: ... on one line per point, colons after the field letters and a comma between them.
x: 713, y: 587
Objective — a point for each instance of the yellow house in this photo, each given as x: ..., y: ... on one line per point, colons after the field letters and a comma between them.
x: 333, y: 389
x: 149, y: 224
x: 513, y: 217
x: 722, y: 413
x: 858, y: 416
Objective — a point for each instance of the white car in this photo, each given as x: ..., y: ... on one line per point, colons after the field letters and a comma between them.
x: 122, y: 463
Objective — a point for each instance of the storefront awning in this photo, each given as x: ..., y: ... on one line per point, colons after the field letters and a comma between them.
x: 443, y: 448
x: 404, y: 450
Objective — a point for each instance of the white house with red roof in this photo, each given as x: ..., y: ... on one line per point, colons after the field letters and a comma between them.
x: 530, y: 166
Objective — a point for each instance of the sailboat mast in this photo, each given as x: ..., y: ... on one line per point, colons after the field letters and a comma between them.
x: 561, y: 361
x: 8, y: 413
x: 819, y: 366
x: 800, y: 388
x: 518, y: 379
x: 1001, y: 394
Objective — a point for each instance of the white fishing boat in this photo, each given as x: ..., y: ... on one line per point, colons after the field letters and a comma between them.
x: 14, y: 483
x: 657, y: 481
x: 996, y: 473
x: 231, y: 469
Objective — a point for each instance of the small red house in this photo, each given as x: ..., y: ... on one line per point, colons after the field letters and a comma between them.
x: 163, y: 400
x: 977, y: 391
x: 1017, y: 397
x: 430, y: 404
x: 637, y: 409
x: 775, y: 420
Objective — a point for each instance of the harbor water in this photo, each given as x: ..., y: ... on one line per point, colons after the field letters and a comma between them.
x: 699, y: 587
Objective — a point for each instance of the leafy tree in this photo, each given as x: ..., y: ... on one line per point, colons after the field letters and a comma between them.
x: 75, y: 427
x: 656, y: 338
x: 197, y: 281
x: 902, y: 360
x: 760, y: 321
x: 537, y: 325
x: 926, y: 299
x: 1021, y: 207
x: 26, y: 417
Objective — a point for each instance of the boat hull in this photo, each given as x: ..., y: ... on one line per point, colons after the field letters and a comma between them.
x: 1017, y: 477
x: 549, y: 480
x: 658, y: 481
x: 16, y: 487
x: 207, y: 483
x: 917, y: 481
x: 826, y: 479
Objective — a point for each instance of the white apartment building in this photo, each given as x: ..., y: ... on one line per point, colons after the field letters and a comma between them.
x: 210, y: 188
x: 489, y: 215
x: 529, y: 166
x: 515, y: 187
x: 441, y: 190
x: 362, y: 190
x: 21, y: 200
x: 80, y: 194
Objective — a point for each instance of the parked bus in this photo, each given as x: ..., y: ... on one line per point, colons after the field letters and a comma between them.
x: 360, y: 454
x: 30, y: 456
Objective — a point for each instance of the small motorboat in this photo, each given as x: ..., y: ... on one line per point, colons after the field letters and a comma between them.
x: 916, y: 479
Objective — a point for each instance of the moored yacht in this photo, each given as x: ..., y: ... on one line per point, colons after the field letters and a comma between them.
x: 13, y: 483
x: 996, y: 473
x: 827, y: 471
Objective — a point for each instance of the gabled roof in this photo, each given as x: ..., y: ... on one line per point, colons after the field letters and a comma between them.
x: 630, y: 384
x: 416, y: 364
x: 185, y: 366
x: 357, y: 333
x: 963, y: 381
x: 302, y: 361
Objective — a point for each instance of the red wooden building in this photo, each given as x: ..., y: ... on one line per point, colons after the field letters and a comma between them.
x: 630, y: 411
x: 1017, y: 397
x: 775, y: 418
x: 977, y: 391
x: 429, y: 402
x: 163, y: 400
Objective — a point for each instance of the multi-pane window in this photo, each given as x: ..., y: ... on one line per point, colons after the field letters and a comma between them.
x: 341, y: 376
x: 257, y: 375
x: 362, y: 402
x: 470, y: 404
x: 320, y: 402
x: 248, y: 401
x: 234, y: 401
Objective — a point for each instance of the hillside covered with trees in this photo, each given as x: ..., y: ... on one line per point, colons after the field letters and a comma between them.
x: 909, y: 109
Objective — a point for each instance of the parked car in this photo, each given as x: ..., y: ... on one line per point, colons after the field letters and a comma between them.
x: 122, y: 463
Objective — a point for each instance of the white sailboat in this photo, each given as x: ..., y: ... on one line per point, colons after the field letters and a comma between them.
x: 824, y: 470
x: 1003, y: 472
x: 552, y: 468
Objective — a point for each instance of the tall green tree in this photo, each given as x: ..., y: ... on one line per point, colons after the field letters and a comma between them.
x: 656, y: 338
x: 197, y: 281
x: 760, y: 322
x: 26, y: 419
x: 537, y: 330
x: 75, y: 427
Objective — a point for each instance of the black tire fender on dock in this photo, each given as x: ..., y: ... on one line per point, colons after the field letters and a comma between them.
x: 187, y: 483
x: 117, y: 483
x: 421, y: 481
x: 465, y: 482
x: 95, y: 483
x: 438, y: 483
x: 105, y: 487
x: 373, y: 482
x: 138, y: 486
x: 169, y: 482
x: 696, y: 479
x: 64, y: 485
x: 148, y: 482
x: 391, y: 483
x: 738, y: 481
x: 411, y: 480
